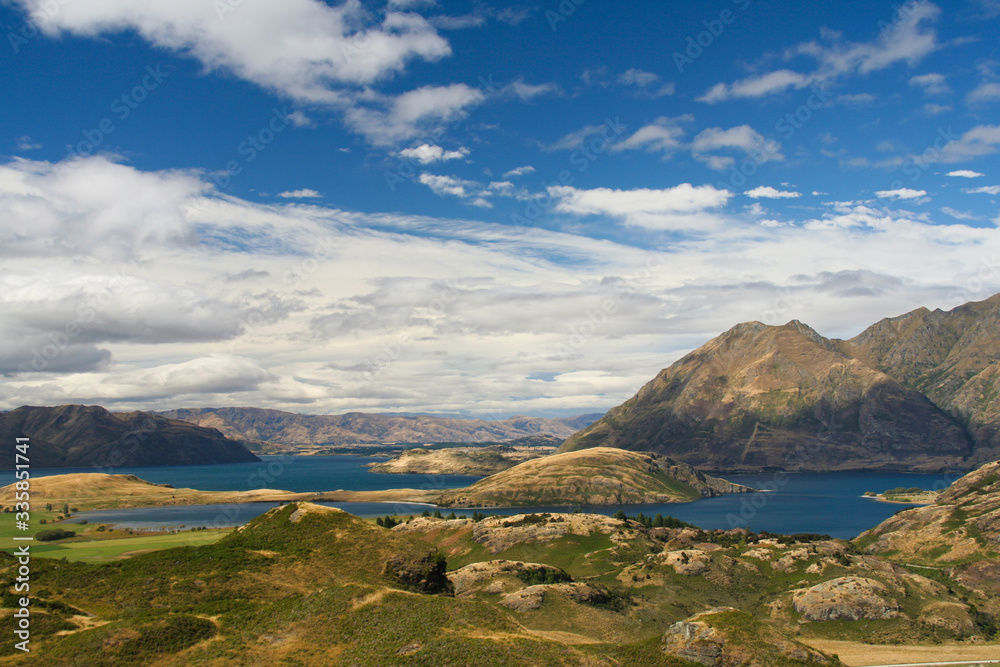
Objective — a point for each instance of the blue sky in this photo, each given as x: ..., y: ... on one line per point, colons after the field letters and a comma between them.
x: 479, y: 208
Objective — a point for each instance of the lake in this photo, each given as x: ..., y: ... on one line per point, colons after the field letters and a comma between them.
x: 829, y: 503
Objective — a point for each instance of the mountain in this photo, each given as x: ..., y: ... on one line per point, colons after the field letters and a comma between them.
x: 89, y: 435
x: 599, y: 476
x: 288, y: 428
x: 953, y: 357
x: 781, y: 397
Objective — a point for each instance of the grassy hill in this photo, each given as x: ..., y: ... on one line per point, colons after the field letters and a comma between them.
x: 308, y: 585
x: 87, y: 491
x: 956, y: 538
x: 460, y: 460
x: 599, y: 476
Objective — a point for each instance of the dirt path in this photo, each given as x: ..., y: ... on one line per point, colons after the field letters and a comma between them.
x: 857, y: 654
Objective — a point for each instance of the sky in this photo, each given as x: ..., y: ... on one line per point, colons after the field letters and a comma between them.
x: 473, y: 208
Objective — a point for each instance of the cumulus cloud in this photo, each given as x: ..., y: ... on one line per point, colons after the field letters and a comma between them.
x: 767, y: 192
x: 431, y: 153
x: 742, y: 138
x: 527, y: 91
x: 389, y: 120
x: 519, y: 171
x: 664, y: 135
x: 901, y: 193
x: 671, y: 208
x: 91, y: 206
x: 302, y: 49
x: 931, y: 84
x: 980, y: 141
x: 984, y: 92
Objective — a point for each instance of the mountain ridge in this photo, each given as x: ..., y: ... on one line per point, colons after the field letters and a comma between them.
x: 918, y: 392
x: 290, y: 428
x: 82, y: 435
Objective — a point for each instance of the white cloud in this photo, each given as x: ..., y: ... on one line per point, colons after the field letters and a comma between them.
x: 302, y: 49
x: 304, y: 193
x: 527, y: 91
x: 931, y: 84
x: 24, y: 143
x: 296, y: 307
x: 519, y: 171
x: 859, y: 99
x: 906, y: 40
x: 767, y: 192
x: 936, y: 109
x: 671, y: 208
x: 759, y: 86
x: 390, y: 120
x: 638, y: 77
x: 91, y: 206
x: 663, y: 135
x: 958, y: 215
x: 901, y: 193
x: 431, y: 153
x: 980, y: 141
x: 986, y: 190
x: 984, y: 92
x: 964, y: 173
x: 575, y: 139
x: 743, y: 138
x: 642, y: 80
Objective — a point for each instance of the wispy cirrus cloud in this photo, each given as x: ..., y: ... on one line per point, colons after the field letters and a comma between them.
x: 909, y: 39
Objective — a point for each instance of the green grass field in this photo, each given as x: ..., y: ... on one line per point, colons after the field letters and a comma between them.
x: 92, y: 545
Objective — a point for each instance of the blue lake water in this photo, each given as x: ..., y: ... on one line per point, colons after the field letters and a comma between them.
x: 829, y: 503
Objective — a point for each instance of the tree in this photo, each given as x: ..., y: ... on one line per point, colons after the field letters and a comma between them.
x: 65, y: 509
x: 658, y: 520
x: 620, y: 515
x: 437, y: 514
x: 379, y: 522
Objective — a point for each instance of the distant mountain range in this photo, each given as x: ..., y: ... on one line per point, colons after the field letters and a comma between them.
x: 90, y: 436
x: 259, y: 425
x: 918, y: 392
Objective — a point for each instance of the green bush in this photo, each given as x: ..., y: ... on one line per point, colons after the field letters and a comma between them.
x: 54, y: 534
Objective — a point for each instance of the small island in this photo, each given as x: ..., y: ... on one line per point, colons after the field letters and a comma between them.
x: 909, y: 496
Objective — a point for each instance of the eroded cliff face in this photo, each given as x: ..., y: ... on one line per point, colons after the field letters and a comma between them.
x: 784, y: 397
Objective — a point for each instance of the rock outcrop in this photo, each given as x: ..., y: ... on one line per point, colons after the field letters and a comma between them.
x: 849, y: 598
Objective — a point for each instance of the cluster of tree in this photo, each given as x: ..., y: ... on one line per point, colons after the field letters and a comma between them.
x: 899, y: 490
x: 437, y: 515
x: 390, y: 521
x: 658, y: 521
x: 543, y: 575
x: 54, y: 534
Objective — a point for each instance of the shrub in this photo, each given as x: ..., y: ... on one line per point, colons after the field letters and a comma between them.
x: 54, y: 534
x: 543, y: 575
